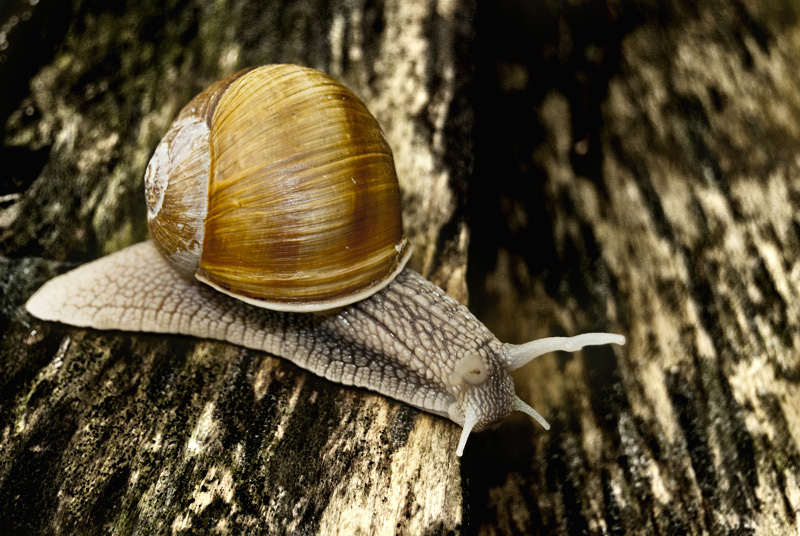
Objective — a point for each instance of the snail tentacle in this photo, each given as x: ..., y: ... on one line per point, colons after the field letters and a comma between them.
x: 470, y: 420
x: 520, y: 405
x: 519, y: 355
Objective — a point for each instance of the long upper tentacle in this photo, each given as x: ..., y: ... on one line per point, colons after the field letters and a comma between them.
x: 522, y: 354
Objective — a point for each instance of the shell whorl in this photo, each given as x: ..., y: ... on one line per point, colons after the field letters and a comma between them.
x: 277, y: 186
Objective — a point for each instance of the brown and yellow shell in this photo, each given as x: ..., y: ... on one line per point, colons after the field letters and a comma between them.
x: 277, y: 186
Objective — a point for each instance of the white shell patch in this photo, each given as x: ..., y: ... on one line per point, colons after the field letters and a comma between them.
x: 185, y: 138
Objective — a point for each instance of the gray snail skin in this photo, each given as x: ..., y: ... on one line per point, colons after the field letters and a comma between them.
x: 295, y: 247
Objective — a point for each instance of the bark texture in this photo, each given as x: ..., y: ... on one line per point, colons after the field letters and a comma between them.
x: 615, y: 166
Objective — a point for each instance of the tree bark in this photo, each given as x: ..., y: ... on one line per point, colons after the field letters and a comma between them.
x: 590, y: 166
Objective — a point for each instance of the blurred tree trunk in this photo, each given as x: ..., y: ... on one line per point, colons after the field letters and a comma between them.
x: 630, y: 167
x: 647, y: 181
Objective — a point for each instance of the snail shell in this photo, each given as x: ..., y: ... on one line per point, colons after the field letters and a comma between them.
x: 277, y: 186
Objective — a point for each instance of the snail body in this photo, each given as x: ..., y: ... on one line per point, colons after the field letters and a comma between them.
x: 375, y: 324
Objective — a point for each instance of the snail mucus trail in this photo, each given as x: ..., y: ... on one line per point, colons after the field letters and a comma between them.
x: 272, y: 196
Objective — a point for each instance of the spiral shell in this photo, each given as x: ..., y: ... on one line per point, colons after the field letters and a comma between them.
x: 277, y: 186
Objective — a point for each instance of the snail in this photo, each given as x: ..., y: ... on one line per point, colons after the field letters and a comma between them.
x: 274, y: 213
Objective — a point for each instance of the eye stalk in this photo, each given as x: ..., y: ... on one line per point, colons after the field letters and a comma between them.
x: 520, y: 355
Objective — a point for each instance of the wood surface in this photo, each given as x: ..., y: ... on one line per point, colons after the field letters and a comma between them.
x: 566, y: 167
